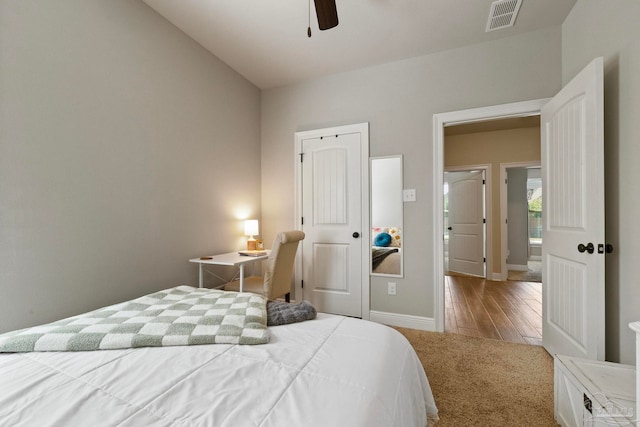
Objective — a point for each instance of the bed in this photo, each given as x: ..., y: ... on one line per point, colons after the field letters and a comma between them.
x: 330, y: 371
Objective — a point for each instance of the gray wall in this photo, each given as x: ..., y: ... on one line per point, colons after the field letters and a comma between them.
x: 120, y: 136
x: 398, y: 100
x: 610, y: 29
x: 125, y: 150
x: 518, y: 217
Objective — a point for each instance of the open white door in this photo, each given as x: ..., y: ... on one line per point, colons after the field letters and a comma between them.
x: 466, y: 222
x: 573, y: 221
x: 332, y: 219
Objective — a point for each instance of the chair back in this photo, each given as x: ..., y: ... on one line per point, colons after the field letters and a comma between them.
x: 279, y: 271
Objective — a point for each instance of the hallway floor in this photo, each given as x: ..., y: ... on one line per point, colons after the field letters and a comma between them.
x: 507, y: 311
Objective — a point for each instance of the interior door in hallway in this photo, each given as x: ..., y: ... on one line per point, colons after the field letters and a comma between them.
x: 466, y: 222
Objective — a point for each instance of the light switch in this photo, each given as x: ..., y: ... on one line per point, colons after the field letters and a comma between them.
x: 409, y: 195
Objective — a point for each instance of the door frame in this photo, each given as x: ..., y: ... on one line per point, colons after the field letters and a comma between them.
x: 488, y: 229
x: 440, y: 121
x: 504, y: 229
x: 363, y: 130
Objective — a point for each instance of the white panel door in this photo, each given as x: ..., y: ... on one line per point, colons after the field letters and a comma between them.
x: 466, y: 223
x: 573, y: 200
x: 332, y: 210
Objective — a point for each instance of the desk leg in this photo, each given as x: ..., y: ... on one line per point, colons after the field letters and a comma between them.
x: 200, y: 275
x: 241, y: 276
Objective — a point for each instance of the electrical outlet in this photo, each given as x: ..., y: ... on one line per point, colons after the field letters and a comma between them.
x: 391, y: 288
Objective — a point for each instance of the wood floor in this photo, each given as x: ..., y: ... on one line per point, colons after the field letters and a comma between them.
x: 508, y: 311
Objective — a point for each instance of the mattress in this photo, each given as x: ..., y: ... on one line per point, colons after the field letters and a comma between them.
x: 331, y: 371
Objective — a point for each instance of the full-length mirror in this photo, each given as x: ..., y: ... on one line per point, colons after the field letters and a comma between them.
x: 386, y: 216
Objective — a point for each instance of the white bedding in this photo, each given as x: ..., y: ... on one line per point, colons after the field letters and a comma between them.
x: 332, y: 371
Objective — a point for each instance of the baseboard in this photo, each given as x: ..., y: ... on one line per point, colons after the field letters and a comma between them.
x: 497, y: 277
x: 535, y: 258
x: 403, y: 320
x: 517, y: 267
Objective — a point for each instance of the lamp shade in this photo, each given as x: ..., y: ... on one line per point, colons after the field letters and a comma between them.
x: 251, y: 227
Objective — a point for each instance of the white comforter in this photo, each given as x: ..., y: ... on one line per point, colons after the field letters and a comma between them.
x: 332, y: 371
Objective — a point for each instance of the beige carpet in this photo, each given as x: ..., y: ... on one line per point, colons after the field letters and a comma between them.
x: 484, y: 382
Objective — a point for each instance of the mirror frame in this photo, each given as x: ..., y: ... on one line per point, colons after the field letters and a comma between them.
x: 400, y: 202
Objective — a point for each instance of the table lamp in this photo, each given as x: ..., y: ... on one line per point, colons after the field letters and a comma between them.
x: 251, y: 229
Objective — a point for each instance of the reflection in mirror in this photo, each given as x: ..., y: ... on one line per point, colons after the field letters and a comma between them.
x: 386, y: 216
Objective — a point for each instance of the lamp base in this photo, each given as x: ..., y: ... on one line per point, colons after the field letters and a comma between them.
x: 251, y: 245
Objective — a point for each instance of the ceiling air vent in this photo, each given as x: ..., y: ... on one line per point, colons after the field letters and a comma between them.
x: 503, y: 14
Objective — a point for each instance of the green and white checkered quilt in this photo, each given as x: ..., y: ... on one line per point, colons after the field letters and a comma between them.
x: 183, y: 315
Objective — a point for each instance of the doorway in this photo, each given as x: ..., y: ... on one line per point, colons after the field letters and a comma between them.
x: 515, y: 110
x: 521, y: 212
x: 493, y: 308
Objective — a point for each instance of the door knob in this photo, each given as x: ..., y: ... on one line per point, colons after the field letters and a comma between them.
x: 356, y: 234
x: 589, y: 248
x: 449, y: 228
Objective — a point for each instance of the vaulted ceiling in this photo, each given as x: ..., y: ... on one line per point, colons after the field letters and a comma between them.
x: 266, y: 40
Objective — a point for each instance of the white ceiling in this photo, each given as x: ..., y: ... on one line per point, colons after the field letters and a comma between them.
x: 266, y: 40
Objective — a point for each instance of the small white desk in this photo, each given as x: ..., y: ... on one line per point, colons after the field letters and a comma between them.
x: 232, y: 258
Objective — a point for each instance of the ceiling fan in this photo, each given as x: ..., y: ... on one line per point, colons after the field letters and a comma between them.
x: 327, y: 15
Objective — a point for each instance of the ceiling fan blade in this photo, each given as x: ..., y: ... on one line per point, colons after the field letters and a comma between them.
x: 327, y: 13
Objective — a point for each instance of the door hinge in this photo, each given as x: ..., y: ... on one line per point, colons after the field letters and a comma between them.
x: 483, y: 182
x: 484, y: 220
x: 484, y: 260
x: 301, y: 220
x: 505, y: 181
x: 301, y: 157
x: 302, y: 283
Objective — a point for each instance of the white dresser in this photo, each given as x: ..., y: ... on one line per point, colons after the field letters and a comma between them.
x: 593, y: 393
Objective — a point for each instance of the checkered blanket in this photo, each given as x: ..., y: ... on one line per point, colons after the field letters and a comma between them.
x: 178, y: 316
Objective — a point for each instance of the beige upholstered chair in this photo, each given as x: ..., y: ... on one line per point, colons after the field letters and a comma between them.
x: 277, y: 277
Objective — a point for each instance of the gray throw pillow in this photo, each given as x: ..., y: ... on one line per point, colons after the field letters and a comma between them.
x: 283, y: 313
